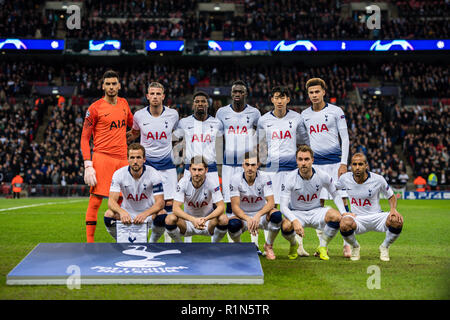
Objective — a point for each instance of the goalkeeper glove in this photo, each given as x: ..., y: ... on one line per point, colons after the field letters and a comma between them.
x: 89, y: 174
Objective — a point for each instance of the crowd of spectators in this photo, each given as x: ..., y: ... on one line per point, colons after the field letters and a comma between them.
x: 20, y: 18
x: 139, y: 8
x: 262, y: 20
x: 427, y: 140
x: 418, y: 79
x: 18, y: 128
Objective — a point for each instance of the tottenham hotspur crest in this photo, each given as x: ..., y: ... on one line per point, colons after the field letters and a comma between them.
x: 370, y: 193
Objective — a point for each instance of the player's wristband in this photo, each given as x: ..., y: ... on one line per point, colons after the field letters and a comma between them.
x: 87, y: 163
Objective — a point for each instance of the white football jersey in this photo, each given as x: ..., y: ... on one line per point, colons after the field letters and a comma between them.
x: 323, y: 129
x: 282, y: 136
x: 198, y: 202
x: 137, y: 194
x: 365, y: 198
x: 239, y: 132
x: 304, y: 194
x: 253, y: 198
x: 156, y: 136
x: 200, y: 137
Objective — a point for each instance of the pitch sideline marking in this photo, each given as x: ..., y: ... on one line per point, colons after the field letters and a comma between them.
x: 40, y: 204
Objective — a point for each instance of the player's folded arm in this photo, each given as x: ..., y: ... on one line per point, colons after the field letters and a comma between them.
x: 113, y: 203
x: 270, y: 204
x: 157, y: 206
x: 236, y: 208
x: 284, y: 207
x: 179, y: 212
x: 220, y: 209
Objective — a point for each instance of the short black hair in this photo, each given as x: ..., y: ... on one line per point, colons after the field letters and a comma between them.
x: 201, y: 93
x: 239, y: 83
x: 283, y: 91
x: 110, y: 74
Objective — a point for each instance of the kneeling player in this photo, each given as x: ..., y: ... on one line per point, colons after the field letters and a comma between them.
x: 363, y: 188
x: 139, y: 184
x: 300, y: 201
x: 198, y: 193
x: 252, y: 203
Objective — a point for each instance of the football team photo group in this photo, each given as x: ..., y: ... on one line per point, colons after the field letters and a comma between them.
x: 305, y: 158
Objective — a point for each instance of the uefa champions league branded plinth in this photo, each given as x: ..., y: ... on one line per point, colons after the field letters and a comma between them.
x: 143, y: 263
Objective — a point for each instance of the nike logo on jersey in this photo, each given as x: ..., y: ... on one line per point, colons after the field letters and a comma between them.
x: 227, y: 118
x: 146, y: 124
x: 269, y: 125
x: 107, y: 114
x: 190, y: 128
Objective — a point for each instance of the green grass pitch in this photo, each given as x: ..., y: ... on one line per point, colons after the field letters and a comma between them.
x: 419, y: 266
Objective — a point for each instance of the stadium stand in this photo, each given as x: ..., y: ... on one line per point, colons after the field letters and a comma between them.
x: 259, y: 20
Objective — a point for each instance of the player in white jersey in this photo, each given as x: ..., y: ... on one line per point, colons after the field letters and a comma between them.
x: 143, y: 198
x: 154, y: 124
x: 326, y: 127
x: 300, y: 201
x: 279, y: 134
x: 253, y: 204
x: 239, y: 122
x: 364, y: 188
x: 203, y: 211
x: 199, y: 132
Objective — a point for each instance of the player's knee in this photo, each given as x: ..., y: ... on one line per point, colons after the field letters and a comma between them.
x: 160, y: 220
x: 286, y: 226
x: 276, y: 217
x: 222, y: 220
x: 333, y: 216
x: 346, y: 224
x: 109, y: 214
x: 171, y: 220
x: 109, y: 221
x: 395, y: 223
x: 234, y: 225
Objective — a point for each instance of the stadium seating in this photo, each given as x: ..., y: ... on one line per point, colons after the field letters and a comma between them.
x: 260, y: 20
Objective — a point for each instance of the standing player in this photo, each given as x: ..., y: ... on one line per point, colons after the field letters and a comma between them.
x: 239, y: 122
x: 327, y: 129
x: 279, y: 134
x: 300, y: 200
x: 199, y: 132
x: 106, y: 120
x: 142, y: 190
x: 198, y: 192
x: 253, y: 207
x: 364, y: 188
x: 155, y: 124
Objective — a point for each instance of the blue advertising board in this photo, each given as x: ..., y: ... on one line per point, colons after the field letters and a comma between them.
x: 162, y: 263
x: 428, y: 195
x: 330, y: 45
x: 164, y: 45
x: 31, y: 44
